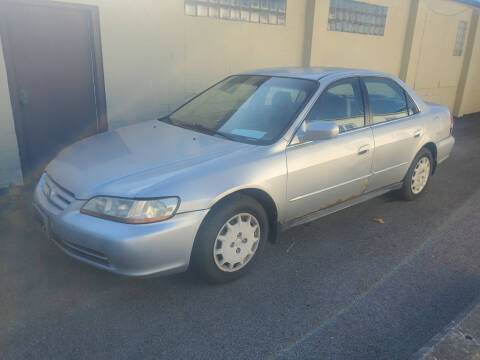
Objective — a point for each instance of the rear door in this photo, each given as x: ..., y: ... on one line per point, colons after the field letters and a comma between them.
x: 326, y: 172
x: 397, y: 130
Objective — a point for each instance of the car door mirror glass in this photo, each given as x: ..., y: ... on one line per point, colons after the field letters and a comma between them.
x: 318, y: 130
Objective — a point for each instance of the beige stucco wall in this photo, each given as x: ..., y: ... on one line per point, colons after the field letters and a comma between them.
x: 471, y: 98
x: 10, y: 170
x: 433, y: 70
x: 342, y: 49
x: 155, y: 56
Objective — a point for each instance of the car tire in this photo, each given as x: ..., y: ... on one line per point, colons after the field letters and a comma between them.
x: 230, y: 239
x: 418, y: 175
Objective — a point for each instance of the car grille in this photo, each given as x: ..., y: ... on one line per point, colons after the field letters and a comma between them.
x: 57, y: 195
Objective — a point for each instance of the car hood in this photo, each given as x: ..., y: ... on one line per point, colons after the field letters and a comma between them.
x: 126, y: 161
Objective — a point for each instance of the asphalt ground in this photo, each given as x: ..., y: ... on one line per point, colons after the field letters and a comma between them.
x: 342, y: 287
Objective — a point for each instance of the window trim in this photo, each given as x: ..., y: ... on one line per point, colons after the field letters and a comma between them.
x: 407, y: 96
x: 366, y: 101
x: 405, y: 92
x: 335, y: 83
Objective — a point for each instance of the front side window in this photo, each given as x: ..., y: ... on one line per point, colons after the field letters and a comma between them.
x: 341, y: 103
x: 250, y: 108
x: 387, y: 100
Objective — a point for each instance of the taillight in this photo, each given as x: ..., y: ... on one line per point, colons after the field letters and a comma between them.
x: 452, y: 122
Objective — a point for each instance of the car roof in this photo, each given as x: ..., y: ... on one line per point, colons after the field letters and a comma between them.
x: 310, y: 73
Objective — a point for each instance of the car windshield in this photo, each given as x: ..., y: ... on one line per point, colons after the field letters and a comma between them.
x: 249, y: 108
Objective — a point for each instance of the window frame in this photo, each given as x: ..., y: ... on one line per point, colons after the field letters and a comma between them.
x: 262, y: 10
x: 362, y: 94
x: 461, y: 36
x: 357, y: 18
x: 406, y: 96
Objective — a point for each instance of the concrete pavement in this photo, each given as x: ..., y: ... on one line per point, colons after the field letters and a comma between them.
x: 460, y: 340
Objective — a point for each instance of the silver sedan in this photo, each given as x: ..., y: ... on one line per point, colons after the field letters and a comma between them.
x: 255, y: 154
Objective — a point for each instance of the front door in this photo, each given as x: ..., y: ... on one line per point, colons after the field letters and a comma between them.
x: 326, y: 172
x: 51, y: 71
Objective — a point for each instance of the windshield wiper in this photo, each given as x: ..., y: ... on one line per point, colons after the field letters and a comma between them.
x: 205, y: 130
x: 197, y: 127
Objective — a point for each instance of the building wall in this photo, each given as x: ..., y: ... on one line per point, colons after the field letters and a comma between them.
x: 433, y: 71
x: 471, y: 96
x: 155, y: 57
x: 343, y: 49
x: 10, y: 170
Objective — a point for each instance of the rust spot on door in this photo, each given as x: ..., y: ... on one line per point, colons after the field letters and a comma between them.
x: 338, y: 201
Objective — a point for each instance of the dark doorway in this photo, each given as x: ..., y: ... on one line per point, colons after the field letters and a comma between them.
x: 55, y: 75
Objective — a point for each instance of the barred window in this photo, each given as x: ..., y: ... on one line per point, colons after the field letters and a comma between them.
x: 254, y: 11
x: 460, y: 40
x: 357, y: 17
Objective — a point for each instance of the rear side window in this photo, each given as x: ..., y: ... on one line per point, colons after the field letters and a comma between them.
x: 387, y: 100
x: 342, y: 103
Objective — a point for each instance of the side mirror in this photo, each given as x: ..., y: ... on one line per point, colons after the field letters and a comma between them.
x: 320, y: 130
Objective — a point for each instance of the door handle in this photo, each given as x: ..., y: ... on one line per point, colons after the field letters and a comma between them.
x: 417, y: 133
x: 363, y: 149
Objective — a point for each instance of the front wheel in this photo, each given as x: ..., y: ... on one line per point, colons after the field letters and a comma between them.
x: 418, y: 175
x: 230, y: 240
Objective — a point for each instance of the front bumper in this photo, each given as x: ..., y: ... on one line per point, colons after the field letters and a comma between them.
x: 126, y: 249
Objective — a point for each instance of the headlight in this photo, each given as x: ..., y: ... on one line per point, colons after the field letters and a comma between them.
x: 134, y: 211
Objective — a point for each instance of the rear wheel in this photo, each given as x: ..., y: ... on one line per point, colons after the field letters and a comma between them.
x: 230, y: 240
x: 418, y: 175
